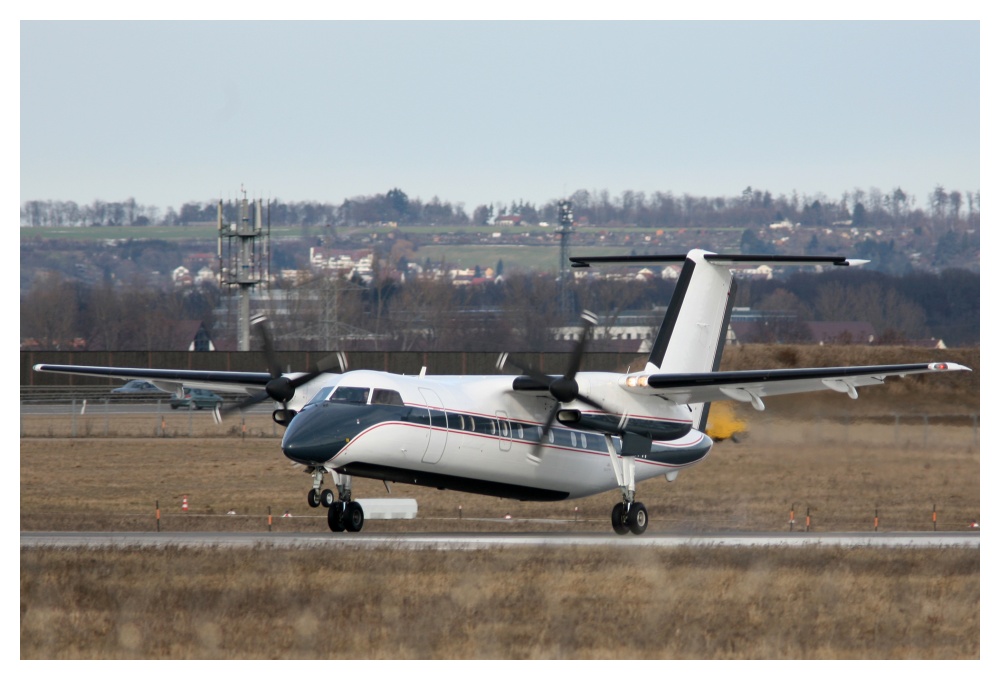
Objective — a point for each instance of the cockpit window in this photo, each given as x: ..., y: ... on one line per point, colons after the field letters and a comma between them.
x: 350, y: 395
x: 390, y: 397
x: 321, y: 395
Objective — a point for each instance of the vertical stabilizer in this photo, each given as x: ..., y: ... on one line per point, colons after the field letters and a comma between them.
x: 693, y: 332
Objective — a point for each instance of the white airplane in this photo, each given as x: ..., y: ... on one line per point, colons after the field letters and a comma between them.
x: 532, y: 437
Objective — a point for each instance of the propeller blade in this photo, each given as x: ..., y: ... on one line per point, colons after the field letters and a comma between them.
x: 227, y: 410
x: 592, y: 402
x: 259, y: 322
x: 280, y: 388
x: 303, y: 379
x: 532, y: 373
x: 546, y: 427
x: 325, y: 365
x: 589, y: 321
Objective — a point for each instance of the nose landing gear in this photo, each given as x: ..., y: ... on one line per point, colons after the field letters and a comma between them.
x: 343, y: 514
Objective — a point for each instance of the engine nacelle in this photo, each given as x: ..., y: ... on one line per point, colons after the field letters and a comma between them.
x: 659, y: 430
x: 283, y: 417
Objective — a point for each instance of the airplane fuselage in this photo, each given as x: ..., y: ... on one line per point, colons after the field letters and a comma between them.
x: 475, y: 434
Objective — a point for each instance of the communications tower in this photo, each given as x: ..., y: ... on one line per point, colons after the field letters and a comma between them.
x: 564, y: 230
x: 244, y: 258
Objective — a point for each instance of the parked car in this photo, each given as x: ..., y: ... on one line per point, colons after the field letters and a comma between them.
x: 138, y: 387
x: 195, y: 398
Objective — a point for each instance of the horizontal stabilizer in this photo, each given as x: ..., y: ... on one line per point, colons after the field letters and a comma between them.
x: 719, y: 259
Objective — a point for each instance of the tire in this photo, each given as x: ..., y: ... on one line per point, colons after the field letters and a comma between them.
x: 354, y: 516
x: 638, y: 518
x: 326, y: 498
x: 173, y: 407
x: 335, y: 517
x: 618, y: 519
x: 313, y: 498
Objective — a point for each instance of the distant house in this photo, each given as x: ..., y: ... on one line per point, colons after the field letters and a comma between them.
x: 189, y: 336
x: 929, y: 343
x: 508, y: 221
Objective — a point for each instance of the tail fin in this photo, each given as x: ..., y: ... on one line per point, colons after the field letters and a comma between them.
x: 693, y: 333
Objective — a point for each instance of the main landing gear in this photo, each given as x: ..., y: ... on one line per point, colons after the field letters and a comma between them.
x: 628, y: 515
x: 343, y: 514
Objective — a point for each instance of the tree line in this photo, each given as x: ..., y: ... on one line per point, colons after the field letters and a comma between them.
x: 519, y: 314
x: 948, y: 209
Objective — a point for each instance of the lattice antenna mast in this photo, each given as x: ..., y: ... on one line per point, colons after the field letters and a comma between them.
x: 564, y: 230
x: 244, y: 258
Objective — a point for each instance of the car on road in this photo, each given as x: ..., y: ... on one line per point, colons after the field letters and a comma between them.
x: 138, y: 387
x: 195, y: 398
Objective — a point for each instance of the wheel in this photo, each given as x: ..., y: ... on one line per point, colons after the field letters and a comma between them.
x: 173, y: 407
x: 326, y: 497
x: 335, y: 517
x: 618, y: 519
x: 313, y: 498
x: 638, y: 518
x: 354, y: 516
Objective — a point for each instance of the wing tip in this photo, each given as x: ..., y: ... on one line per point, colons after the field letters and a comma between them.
x: 947, y: 366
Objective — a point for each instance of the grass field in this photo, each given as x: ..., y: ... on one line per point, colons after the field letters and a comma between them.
x: 506, y: 603
x: 838, y: 460
x: 530, y: 603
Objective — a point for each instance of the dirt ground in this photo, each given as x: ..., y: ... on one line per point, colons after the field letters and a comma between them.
x: 503, y: 604
x: 840, y: 472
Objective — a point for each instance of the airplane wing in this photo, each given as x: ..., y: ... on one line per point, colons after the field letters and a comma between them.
x: 752, y: 386
x: 171, y: 380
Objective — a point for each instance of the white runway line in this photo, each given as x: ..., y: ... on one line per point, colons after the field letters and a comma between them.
x: 438, y: 541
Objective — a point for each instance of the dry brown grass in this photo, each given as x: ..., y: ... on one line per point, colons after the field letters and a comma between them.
x: 840, y: 472
x: 517, y: 603
x: 509, y: 603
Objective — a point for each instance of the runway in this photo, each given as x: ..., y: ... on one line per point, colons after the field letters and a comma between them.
x: 480, y: 541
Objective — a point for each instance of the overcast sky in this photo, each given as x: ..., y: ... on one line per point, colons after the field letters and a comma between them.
x: 493, y: 111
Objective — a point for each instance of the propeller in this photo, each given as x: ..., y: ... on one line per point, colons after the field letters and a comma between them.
x: 564, y: 388
x: 281, y: 388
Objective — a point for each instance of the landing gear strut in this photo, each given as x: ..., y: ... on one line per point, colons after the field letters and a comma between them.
x: 343, y: 514
x: 628, y: 515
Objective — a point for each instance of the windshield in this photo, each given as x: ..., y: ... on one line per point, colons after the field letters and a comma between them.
x: 321, y: 395
x: 350, y: 395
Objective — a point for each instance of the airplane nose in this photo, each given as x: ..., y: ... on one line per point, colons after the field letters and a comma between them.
x: 311, y: 437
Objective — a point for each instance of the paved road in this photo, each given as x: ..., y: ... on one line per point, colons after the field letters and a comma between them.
x: 101, y: 408
x: 466, y: 541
